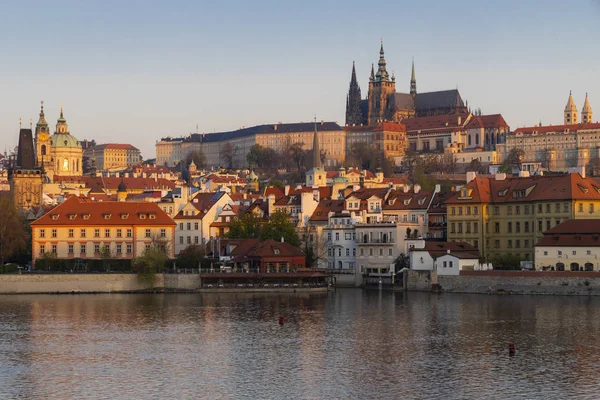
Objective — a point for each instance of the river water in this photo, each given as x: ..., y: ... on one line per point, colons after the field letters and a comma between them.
x: 346, y: 344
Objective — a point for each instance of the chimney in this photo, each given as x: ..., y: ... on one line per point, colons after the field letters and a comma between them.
x: 286, y: 190
x: 459, y: 120
x: 448, y: 251
x: 417, y: 188
x: 282, y: 239
x: 471, y: 175
x: 405, y: 188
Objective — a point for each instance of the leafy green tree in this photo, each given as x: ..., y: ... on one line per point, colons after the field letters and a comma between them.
x: 256, y: 155
x: 245, y: 227
x: 279, y: 226
x: 278, y: 184
x: 191, y: 257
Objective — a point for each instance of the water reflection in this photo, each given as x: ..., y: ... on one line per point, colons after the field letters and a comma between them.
x: 342, y: 344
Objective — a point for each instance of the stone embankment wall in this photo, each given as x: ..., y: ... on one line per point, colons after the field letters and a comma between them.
x: 517, y: 282
x: 92, y: 283
x: 419, y: 280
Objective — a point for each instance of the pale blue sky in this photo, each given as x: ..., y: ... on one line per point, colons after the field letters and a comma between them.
x: 134, y: 71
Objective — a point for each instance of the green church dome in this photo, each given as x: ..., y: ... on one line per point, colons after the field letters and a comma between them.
x: 64, y: 140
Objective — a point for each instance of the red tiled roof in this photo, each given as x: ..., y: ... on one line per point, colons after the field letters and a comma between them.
x: 487, y: 121
x: 437, y: 122
x: 273, y: 190
x: 573, y: 232
x: 325, y: 207
x: 112, y: 183
x: 74, y: 210
x: 437, y: 249
x: 417, y: 201
x: 266, y: 248
x: 389, y: 127
x: 556, y: 129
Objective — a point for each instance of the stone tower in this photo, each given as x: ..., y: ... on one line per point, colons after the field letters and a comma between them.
x: 353, y: 114
x: 571, y: 112
x: 586, y: 112
x: 380, y: 89
x: 25, y: 178
x: 413, y: 82
x: 42, y: 140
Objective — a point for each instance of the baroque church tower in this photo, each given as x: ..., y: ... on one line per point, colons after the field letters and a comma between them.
x: 353, y: 113
x: 42, y: 140
x: 586, y: 112
x: 380, y: 89
x: 571, y: 112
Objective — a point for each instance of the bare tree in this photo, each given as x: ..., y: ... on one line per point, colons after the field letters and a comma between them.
x: 314, y: 246
x: 227, y: 153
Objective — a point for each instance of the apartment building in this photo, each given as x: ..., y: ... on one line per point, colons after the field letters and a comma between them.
x: 81, y: 228
x: 503, y: 215
x: 113, y: 156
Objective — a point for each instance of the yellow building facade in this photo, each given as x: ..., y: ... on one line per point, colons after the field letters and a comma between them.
x: 509, y: 215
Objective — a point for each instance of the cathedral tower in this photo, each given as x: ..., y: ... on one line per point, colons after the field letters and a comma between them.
x: 380, y: 89
x: 353, y: 114
x: 42, y: 140
x: 571, y: 111
x: 586, y: 112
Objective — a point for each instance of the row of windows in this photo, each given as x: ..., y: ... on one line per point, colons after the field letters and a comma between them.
x: 340, y: 251
x: 574, y: 253
x: 83, y: 249
x: 189, y: 226
x: 107, y: 233
x: 458, y: 227
x: 516, y: 243
x: 189, y: 240
x: 467, y: 210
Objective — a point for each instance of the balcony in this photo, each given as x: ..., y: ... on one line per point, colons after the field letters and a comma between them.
x: 376, y: 241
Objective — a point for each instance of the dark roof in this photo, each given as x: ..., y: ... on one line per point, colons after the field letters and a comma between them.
x: 25, y: 153
x: 438, y: 249
x: 437, y: 100
x: 556, y: 129
x: 573, y: 232
x: 266, y: 248
x: 261, y: 129
x: 403, y: 101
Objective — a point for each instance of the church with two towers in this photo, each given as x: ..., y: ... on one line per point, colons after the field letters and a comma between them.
x: 383, y: 103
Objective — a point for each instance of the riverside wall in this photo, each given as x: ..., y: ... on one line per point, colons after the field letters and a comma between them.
x: 93, y: 283
x: 522, y: 282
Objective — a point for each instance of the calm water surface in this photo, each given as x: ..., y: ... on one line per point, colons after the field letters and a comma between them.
x: 343, y: 344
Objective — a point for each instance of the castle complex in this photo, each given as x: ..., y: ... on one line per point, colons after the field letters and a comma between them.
x: 383, y: 103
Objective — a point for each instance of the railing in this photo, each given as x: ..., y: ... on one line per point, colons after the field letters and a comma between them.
x: 375, y: 241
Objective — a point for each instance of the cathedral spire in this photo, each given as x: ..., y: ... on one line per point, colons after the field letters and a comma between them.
x: 382, y: 74
x: 372, y: 77
x: 316, y: 151
x: 413, y: 81
x: 353, y: 114
x: 61, y: 123
x: 42, y: 120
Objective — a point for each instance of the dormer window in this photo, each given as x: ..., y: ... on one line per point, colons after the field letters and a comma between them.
x: 107, y: 216
x: 276, y: 251
x: 195, y: 201
x: 421, y: 201
x: 142, y: 216
x: 72, y: 216
x: 124, y: 216
x: 407, y: 202
x: 86, y: 216
x: 152, y: 216
x: 55, y: 216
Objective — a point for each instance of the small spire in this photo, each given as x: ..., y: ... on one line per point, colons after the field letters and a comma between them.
x: 20, y: 123
x: 61, y: 111
x: 372, y: 77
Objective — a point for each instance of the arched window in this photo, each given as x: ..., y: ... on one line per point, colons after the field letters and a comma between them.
x: 589, y: 266
x: 339, y: 264
x: 476, y: 139
x: 43, y: 149
x: 560, y: 267
x: 469, y: 140
x: 574, y: 266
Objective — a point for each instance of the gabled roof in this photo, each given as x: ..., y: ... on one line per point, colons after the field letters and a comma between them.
x: 274, y: 191
x: 487, y: 121
x: 437, y: 249
x: 367, y: 193
x: 82, y: 211
x: 573, y: 232
x: 268, y: 248
x: 399, y: 200
x: 112, y: 183
x: 325, y: 207
x: 437, y: 123
x: 438, y: 100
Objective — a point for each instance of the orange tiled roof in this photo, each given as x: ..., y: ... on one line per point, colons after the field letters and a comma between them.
x: 558, y: 129
x: 325, y: 207
x: 81, y: 211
